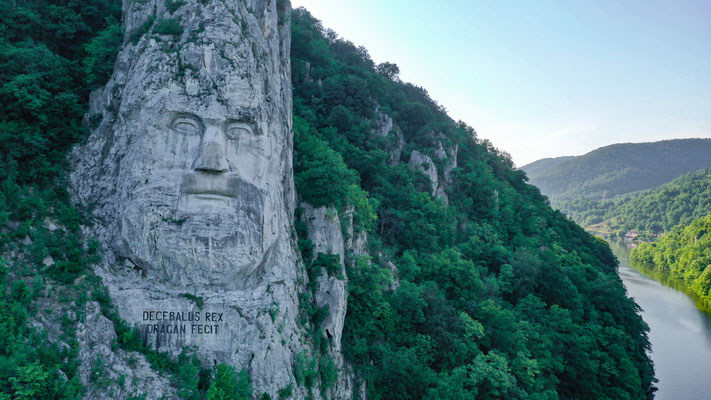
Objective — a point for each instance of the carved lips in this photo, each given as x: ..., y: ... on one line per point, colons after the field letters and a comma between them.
x: 210, y: 184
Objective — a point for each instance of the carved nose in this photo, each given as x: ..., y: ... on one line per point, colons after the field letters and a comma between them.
x: 211, y: 159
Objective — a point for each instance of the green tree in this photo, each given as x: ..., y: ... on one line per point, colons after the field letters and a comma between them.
x: 228, y: 384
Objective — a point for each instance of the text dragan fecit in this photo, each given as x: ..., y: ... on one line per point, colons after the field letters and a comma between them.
x: 174, y: 322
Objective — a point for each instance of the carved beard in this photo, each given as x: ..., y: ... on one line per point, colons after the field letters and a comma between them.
x: 215, y: 241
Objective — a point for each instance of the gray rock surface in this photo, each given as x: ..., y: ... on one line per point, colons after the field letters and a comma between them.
x: 423, y: 162
x: 324, y: 227
x: 384, y: 126
x: 325, y: 233
x: 449, y: 157
x: 189, y: 175
x: 451, y: 162
x: 118, y: 374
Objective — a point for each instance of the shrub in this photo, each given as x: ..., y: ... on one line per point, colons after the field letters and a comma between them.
x: 168, y: 26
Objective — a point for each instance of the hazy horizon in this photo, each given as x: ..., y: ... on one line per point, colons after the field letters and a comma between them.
x: 607, y: 145
x: 545, y: 79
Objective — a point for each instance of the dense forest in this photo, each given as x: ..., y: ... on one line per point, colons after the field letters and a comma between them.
x: 495, y: 295
x: 683, y: 257
x: 51, y: 54
x: 650, y: 212
x: 617, y: 169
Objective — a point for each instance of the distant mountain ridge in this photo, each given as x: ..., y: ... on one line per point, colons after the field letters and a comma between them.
x: 541, y: 166
x: 649, y: 212
x: 618, y: 169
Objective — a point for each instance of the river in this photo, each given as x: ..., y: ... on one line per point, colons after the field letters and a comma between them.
x: 680, y: 334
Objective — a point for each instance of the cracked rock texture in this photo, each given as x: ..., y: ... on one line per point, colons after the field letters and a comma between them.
x: 189, y: 179
x: 116, y: 373
x: 423, y: 163
x: 324, y: 227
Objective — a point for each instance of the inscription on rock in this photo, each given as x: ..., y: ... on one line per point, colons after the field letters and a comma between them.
x: 181, y: 322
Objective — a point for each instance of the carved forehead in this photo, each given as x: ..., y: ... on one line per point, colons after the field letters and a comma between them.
x: 211, y: 117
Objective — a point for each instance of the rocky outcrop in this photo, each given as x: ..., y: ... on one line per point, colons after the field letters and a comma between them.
x: 324, y: 227
x: 326, y: 235
x: 189, y: 175
x: 385, y: 127
x: 424, y: 164
x: 104, y: 370
x: 449, y: 159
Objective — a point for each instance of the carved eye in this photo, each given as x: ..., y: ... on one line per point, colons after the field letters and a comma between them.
x: 186, y: 126
x: 236, y: 130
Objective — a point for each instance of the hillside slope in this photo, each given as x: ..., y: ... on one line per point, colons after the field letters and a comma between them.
x: 618, y: 169
x: 683, y: 256
x: 651, y: 212
x: 540, y: 167
x: 475, y: 287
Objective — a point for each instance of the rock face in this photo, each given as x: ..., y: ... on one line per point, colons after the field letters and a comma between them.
x: 424, y: 163
x: 324, y: 228
x: 189, y: 174
x: 384, y: 126
x: 104, y: 370
x: 194, y: 157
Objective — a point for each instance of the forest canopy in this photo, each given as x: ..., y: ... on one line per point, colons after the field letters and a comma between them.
x: 494, y: 294
x: 651, y: 212
x: 683, y: 257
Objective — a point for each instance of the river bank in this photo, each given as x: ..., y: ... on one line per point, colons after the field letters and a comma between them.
x: 680, y: 333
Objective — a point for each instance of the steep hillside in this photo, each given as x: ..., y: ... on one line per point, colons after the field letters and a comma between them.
x: 651, y: 212
x: 682, y: 257
x: 474, y: 287
x: 618, y: 169
x: 51, y: 55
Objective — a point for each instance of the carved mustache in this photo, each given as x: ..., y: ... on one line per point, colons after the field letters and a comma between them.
x: 196, y: 183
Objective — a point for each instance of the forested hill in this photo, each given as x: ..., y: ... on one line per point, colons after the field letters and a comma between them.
x: 650, y: 212
x: 476, y: 288
x: 618, y: 169
x: 539, y: 167
x: 683, y: 257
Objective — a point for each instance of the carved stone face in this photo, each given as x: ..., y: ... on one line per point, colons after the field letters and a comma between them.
x: 189, y: 171
x: 203, y: 196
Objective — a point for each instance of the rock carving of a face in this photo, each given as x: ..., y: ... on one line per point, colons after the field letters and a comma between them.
x: 201, y: 209
x: 191, y: 162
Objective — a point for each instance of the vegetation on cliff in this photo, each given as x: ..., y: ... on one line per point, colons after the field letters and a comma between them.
x: 495, y: 294
x: 48, y: 62
x: 682, y: 256
x: 617, y: 169
x: 650, y: 212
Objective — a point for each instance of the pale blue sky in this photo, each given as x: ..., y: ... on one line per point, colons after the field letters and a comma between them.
x: 546, y: 78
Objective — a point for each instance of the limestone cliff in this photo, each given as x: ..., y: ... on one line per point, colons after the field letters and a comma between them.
x: 189, y: 175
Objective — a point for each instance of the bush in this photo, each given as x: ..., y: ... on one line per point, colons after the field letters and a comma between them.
x: 173, y: 5
x: 167, y: 26
x: 102, y: 50
x: 229, y: 384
